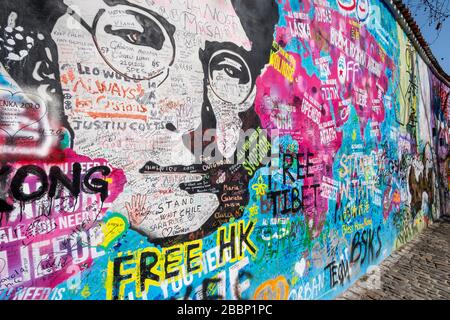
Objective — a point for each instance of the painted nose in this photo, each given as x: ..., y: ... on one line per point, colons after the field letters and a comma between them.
x: 194, y: 139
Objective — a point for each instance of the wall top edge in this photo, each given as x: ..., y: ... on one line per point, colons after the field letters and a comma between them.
x: 412, y: 30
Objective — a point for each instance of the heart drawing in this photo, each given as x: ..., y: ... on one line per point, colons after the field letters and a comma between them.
x: 19, y: 110
x: 300, y: 267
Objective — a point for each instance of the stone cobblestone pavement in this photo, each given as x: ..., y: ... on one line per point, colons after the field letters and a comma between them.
x: 420, y: 270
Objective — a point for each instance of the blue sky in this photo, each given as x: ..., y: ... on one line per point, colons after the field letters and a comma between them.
x: 440, y: 46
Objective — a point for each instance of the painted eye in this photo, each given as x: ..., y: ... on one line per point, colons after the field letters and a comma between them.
x: 229, y: 77
x: 232, y: 72
x: 136, y: 43
x: 232, y: 65
x: 133, y: 37
x: 151, y: 36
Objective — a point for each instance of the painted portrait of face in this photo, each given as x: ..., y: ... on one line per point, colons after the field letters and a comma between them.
x: 165, y: 90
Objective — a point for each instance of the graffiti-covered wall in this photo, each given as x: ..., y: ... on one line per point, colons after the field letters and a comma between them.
x: 221, y: 149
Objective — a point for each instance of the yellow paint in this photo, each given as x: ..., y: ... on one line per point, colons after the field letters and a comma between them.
x: 260, y: 188
x: 85, y: 292
x: 123, y: 283
x: 112, y: 229
x: 276, y: 289
x: 253, y: 210
x: 174, y: 259
x: 239, y: 229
